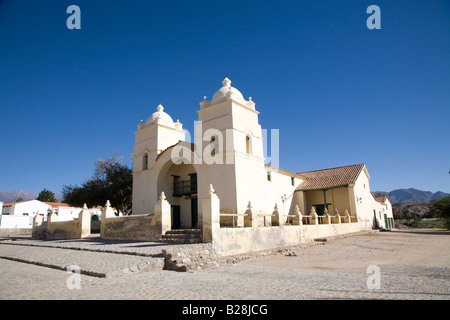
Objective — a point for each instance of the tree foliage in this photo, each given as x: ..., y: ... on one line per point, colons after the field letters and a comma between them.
x: 46, y: 196
x: 112, y: 180
x: 442, y: 209
x: 381, y: 194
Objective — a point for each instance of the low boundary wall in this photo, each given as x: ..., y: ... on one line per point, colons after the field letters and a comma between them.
x: 54, y: 229
x: 138, y: 228
x: 228, y: 241
x: 254, y: 233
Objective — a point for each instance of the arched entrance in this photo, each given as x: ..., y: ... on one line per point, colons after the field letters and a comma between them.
x: 179, y: 183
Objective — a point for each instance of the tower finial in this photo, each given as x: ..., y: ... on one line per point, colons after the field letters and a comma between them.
x: 226, y: 82
x: 160, y: 108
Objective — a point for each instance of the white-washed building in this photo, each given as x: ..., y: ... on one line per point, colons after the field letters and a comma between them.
x: 228, y: 153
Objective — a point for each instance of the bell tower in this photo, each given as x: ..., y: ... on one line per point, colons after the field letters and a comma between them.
x: 152, y: 137
x: 230, y: 139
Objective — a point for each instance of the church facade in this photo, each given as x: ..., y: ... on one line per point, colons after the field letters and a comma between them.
x: 228, y: 153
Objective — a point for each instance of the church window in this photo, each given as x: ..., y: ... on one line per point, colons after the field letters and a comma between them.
x: 248, y: 145
x: 269, y: 176
x: 145, y: 162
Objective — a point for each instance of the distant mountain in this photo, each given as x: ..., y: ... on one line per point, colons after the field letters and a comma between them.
x: 16, y: 194
x: 413, y: 195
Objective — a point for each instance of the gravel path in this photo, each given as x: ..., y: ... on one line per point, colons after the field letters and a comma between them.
x: 411, y: 266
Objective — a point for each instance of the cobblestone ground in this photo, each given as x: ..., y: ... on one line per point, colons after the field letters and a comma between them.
x: 411, y: 266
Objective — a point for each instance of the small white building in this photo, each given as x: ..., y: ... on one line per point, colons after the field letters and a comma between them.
x: 26, y: 208
x: 21, y: 214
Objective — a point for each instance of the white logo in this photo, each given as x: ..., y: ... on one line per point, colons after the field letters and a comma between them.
x: 74, y: 21
x: 374, y: 281
x: 374, y: 21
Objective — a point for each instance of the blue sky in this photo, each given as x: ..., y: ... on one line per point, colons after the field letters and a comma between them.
x: 339, y: 93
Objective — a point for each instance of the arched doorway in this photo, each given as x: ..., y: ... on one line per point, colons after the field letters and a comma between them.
x: 179, y: 183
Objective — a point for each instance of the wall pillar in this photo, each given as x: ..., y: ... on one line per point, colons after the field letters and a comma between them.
x: 107, y: 212
x: 162, y: 214
x: 277, y: 220
x: 298, y: 219
x: 352, y: 201
x: 314, y: 216
x: 53, y: 217
x: 301, y: 201
x: 38, y: 220
x: 85, y: 221
x: 211, y: 214
x: 250, y: 218
x: 338, y: 216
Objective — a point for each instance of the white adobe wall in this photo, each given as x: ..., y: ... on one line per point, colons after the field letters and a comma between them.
x: 389, y: 211
x: 68, y: 213
x: 280, y: 184
x: 366, y: 205
x: 30, y: 208
x: 144, y: 191
x: 15, y: 222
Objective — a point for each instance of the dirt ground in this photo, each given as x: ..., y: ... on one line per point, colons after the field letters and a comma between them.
x: 430, y: 248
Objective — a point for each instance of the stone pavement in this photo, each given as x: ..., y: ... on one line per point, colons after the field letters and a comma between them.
x: 413, y: 266
x: 93, y: 256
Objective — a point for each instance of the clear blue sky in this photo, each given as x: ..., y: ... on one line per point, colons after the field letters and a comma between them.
x: 339, y: 93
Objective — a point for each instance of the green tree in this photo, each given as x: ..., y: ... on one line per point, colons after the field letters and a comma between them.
x: 112, y: 180
x: 381, y: 194
x: 46, y: 196
x: 442, y: 208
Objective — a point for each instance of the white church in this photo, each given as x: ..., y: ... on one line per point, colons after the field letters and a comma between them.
x: 228, y: 154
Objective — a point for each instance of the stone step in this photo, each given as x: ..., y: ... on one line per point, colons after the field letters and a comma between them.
x: 182, y: 241
x: 183, y: 236
x: 184, y: 231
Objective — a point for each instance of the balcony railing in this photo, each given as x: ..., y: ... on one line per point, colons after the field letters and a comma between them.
x: 184, y: 188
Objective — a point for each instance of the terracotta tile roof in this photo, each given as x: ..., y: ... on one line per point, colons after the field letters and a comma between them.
x: 53, y: 204
x: 57, y: 204
x: 329, y: 178
x: 381, y: 199
x: 7, y: 204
